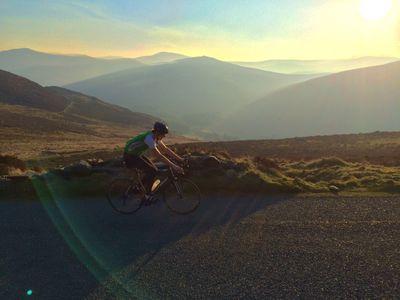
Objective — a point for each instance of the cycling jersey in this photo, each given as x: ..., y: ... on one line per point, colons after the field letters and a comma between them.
x: 139, y: 144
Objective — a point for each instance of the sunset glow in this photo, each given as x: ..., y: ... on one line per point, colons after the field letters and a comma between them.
x: 237, y: 31
x: 375, y: 9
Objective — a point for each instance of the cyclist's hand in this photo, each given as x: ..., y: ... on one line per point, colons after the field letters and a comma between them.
x: 185, y: 162
x: 178, y: 169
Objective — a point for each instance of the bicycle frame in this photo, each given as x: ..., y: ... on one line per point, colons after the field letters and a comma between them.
x: 134, y: 185
x: 170, y: 178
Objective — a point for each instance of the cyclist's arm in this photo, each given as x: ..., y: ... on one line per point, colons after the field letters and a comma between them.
x: 163, y: 158
x: 169, y: 152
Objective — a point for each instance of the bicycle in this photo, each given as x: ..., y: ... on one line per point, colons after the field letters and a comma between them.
x: 181, y: 195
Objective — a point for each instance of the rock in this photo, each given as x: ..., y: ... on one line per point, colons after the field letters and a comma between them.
x: 83, y: 168
x: 95, y: 161
x: 198, y: 162
x: 211, y: 162
x: 113, y: 163
x: 334, y: 189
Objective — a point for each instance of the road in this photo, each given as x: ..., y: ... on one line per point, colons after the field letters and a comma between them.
x: 231, y: 247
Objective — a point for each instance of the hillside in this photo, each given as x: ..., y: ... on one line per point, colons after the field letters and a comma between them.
x: 38, y: 121
x: 94, y: 108
x: 292, y: 66
x: 356, y: 101
x: 55, y: 69
x: 17, y: 90
x: 194, y: 91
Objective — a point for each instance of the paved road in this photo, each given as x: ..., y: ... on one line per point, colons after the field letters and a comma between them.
x: 236, y: 247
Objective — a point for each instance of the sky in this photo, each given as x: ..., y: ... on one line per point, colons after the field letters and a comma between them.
x: 236, y: 30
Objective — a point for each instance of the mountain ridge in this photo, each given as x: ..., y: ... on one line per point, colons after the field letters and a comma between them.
x: 360, y: 100
x: 18, y: 91
x: 314, y: 66
x: 59, y: 69
x: 191, y: 90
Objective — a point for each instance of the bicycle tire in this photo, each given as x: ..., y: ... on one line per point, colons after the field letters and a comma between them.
x: 120, y: 190
x: 182, y: 196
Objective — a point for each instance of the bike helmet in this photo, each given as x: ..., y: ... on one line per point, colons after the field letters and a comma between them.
x: 160, y: 127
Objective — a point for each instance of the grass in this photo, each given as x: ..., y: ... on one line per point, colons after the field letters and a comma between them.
x: 241, y: 175
x: 262, y: 174
x: 380, y: 148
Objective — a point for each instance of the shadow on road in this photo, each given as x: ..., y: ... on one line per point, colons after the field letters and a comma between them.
x: 59, y: 239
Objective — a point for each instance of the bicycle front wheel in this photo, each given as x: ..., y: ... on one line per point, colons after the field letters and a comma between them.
x: 124, y: 196
x: 182, y: 196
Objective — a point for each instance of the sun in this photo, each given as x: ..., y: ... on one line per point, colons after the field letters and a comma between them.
x: 375, y: 9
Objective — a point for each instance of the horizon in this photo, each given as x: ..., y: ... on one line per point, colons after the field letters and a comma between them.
x: 204, y: 55
x: 243, y: 31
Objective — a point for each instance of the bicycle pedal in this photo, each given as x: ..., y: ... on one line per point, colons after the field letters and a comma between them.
x: 147, y: 201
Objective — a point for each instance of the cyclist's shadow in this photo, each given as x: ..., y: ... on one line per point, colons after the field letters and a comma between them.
x: 143, y: 236
x: 159, y: 227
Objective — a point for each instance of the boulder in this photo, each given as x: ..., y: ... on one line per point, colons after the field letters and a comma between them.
x: 211, y: 162
x: 334, y: 189
x: 204, y: 162
x: 83, y: 168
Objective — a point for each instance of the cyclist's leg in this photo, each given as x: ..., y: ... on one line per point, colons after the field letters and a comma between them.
x: 150, y: 172
x: 131, y: 164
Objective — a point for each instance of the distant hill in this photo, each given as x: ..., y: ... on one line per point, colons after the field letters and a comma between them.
x: 17, y: 90
x: 159, y: 58
x: 58, y: 124
x: 55, y: 69
x: 28, y: 105
x: 317, y: 66
x: 194, y: 91
x: 362, y: 100
x: 97, y: 109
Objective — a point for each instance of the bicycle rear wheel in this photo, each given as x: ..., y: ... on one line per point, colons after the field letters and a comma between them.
x: 124, y: 196
x: 182, y: 196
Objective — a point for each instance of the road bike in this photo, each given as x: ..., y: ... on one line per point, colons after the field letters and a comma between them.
x: 182, y: 196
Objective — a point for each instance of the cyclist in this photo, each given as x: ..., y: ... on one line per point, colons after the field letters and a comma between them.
x: 150, y: 141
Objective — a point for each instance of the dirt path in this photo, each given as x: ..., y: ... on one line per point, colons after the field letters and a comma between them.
x: 230, y: 248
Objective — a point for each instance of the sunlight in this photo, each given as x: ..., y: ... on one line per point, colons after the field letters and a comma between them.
x: 375, y: 9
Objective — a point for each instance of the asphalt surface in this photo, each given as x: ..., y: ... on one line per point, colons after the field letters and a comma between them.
x: 234, y: 247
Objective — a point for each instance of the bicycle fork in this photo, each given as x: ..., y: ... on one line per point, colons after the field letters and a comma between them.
x: 178, y: 189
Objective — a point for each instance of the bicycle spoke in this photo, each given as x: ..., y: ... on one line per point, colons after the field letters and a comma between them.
x: 182, y: 197
x: 123, y: 197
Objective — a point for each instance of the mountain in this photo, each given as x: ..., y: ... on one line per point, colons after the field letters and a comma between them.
x: 54, y: 69
x: 317, y: 66
x: 17, y: 90
x: 94, y: 108
x: 361, y: 100
x: 31, y: 106
x: 61, y: 125
x: 191, y: 91
x: 160, y: 58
